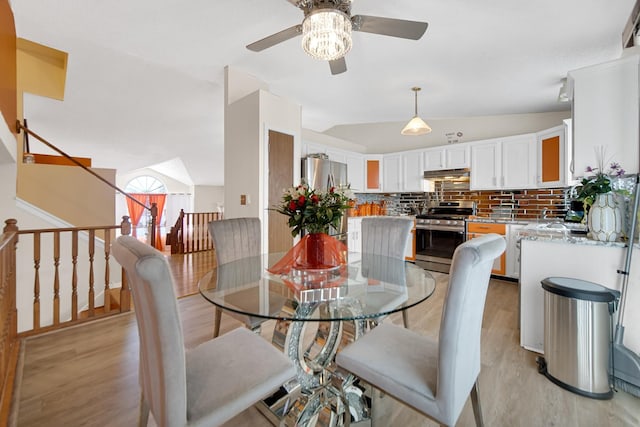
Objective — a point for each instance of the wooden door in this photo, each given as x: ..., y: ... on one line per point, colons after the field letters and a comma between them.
x: 280, y: 177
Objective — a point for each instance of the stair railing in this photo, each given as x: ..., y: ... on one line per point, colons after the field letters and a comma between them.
x: 191, y: 232
x: 65, y: 265
x: 153, y: 209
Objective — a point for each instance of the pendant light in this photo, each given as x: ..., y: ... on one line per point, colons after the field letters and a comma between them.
x: 416, y: 125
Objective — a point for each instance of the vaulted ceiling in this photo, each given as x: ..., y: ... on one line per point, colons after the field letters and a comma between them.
x: 145, y: 81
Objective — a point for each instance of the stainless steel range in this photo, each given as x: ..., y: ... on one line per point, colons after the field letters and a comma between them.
x: 440, y: 231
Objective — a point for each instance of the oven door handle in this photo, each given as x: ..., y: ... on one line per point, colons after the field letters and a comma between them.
x: 439, y: 228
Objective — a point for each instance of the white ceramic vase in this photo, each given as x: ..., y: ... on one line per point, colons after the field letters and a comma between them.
x: 605, y: 218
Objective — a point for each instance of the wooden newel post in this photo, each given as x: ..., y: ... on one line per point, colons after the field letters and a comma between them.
x: 10, y: 225
x: 154, y: 216
x: 125, y: 226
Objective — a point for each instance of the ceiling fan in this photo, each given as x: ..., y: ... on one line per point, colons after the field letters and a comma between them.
x: 327, y: 26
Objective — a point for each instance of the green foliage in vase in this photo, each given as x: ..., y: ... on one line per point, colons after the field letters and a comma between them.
x: 313, y: 210
x: 600, y: 180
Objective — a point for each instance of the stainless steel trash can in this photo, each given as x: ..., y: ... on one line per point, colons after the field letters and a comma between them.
x: 577, y: 335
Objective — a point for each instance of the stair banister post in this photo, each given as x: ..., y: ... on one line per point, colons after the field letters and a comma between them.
x: 10, y: 225
x: 154, y: 216
x: 125, y: 226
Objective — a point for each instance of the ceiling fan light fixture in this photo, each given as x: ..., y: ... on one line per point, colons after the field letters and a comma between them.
x: 416, y: 125
x: 326, y: 34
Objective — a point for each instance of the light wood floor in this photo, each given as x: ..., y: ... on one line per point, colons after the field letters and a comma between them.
x: 87, y: 375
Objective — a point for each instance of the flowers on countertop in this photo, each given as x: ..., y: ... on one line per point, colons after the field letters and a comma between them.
x: 600, y: 180
x: 313, y: 210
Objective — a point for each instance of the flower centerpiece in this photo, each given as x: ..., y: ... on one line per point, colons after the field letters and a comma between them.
x: 312, y: 210
x: 315, y: 212
x: 600, y: 204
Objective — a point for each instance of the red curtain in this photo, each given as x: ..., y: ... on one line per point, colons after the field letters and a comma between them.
x: 159, y: 200
x: 135, y: 210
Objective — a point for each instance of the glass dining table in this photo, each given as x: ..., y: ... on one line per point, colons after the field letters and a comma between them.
x: 317, y: 312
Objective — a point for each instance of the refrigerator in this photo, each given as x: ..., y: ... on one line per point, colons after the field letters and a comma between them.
x: 322, y: 174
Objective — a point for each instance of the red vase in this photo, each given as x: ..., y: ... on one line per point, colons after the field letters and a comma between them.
x: 315, y: 250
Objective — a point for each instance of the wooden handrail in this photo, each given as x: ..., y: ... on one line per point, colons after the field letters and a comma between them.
x: 64, y: 285
x: 9, y: 344
x: 153, y: 209
x: 191, y: 233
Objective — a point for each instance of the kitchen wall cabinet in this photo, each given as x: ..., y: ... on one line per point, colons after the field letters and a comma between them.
x: 355, y: 170
x: 605, y: 112
x: 373, y: 173
x: 486, y: 159
x: 392, y: 173
x: 551, y: 154
x: 504, y: 163
x: 449, y: 157
x: 412, y: 171
x: 403, y: 172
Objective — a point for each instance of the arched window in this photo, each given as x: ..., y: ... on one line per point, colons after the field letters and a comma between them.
x: 147, y: 190
x: 145, y: 184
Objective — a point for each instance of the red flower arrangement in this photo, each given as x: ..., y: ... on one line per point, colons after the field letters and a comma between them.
x: 314, y: 211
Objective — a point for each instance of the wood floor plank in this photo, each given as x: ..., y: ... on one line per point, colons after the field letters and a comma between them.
x: 88, y: 375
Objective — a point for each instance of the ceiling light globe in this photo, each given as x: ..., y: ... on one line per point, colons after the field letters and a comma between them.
x: 326, y: 34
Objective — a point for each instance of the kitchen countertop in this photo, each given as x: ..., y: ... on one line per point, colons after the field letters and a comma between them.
x: 499, y: 220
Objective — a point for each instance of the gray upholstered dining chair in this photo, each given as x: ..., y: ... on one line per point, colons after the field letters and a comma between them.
x: 233, y: 239
x: 203, y: 386
x: 434, y: 377
x: 387, y: 236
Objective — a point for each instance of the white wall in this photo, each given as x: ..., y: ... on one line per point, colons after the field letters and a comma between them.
x: 247, y: 124
x: 208, y: 198
x: 242, y: 157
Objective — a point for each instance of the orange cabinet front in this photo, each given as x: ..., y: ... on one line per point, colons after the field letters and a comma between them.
x: 476, y: 229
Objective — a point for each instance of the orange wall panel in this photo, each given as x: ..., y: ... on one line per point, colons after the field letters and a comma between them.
x: 8, y: 73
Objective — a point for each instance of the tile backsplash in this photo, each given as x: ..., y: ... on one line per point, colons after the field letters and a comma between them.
x: 518, y: 204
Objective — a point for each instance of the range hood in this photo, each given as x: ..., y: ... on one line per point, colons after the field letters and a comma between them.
x: 447, y: 174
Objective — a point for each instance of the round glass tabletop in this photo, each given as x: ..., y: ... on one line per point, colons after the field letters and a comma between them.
x: 367, y: 286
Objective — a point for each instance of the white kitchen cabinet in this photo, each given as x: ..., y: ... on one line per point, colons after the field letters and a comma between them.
x: 434, y: 159
x: 449, y: 157
x: 504, y: 163
x: 551, y: 155
x: 513, y: 250
x: 457, y: 156
x: 605, y: 112
x: 485, y: 172
x: 355, y: 171
x: 392, y: 173
x: 412, y: 171
x: 354, y: 239
x: 591, y: 261
x: 519, y: 162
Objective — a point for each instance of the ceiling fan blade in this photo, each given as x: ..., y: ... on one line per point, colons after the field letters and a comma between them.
x: 389, y: 27
x: 276, y: 38
x: 338, y: 66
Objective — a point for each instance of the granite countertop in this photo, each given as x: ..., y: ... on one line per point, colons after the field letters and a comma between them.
x: 499, y: 220
x: 560, y: 235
